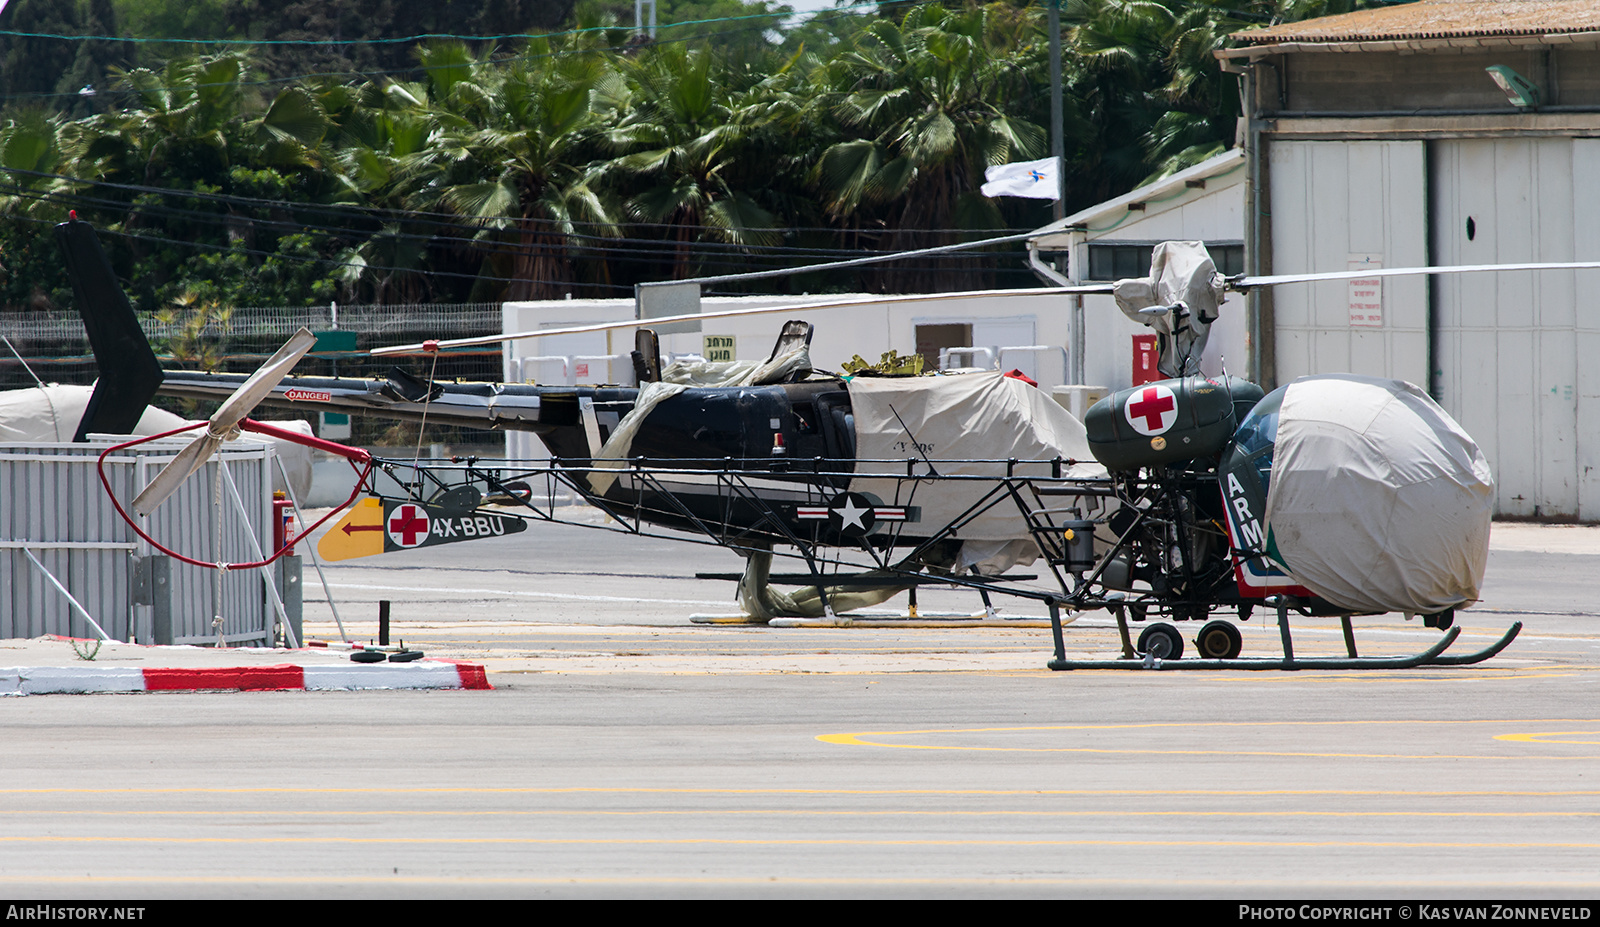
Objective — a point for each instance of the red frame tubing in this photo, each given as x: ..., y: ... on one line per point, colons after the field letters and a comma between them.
x: 360, y: 460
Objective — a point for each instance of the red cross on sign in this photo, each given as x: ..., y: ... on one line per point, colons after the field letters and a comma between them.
x: 1152, y: 410
x: 409, y: 526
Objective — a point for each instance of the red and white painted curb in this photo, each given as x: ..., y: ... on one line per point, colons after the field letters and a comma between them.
x: 431, y: 674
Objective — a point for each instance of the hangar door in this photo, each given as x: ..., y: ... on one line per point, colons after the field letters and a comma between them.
x: 1512, y: 346
x: 1340, y: 206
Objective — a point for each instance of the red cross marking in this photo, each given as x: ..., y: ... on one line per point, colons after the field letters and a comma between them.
x: 408, y: 525
x: 1151, y: 406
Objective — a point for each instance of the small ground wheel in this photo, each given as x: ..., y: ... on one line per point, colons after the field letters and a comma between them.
x: 1162, y: 641
x: 1443, y: 620
x: 1219, y: 640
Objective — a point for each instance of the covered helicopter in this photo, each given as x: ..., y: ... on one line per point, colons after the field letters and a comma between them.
x: 1178, y: 493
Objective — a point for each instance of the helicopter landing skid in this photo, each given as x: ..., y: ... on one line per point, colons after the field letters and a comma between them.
x: 1132, y: 660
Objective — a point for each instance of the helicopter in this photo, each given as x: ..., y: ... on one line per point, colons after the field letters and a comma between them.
x: 950, y: 479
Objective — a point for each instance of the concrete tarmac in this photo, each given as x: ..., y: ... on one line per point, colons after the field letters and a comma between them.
x: 628, y: 752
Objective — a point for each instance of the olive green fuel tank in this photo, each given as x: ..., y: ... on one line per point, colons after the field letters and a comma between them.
x: 1169, y: 421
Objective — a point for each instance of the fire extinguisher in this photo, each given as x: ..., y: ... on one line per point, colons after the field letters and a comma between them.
x: 283, y: 523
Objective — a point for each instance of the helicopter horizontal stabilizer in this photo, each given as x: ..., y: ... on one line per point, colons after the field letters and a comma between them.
x: 381, y: 526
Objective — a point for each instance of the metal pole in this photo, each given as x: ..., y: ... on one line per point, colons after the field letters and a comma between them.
x: 266, y: 572
x: 13, y: 347
x: 1058, y: 148
x: 216, y: 585
x: 311, y: 551
x: 63, y: 589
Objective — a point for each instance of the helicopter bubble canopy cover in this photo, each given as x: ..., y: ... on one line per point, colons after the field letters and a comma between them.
x: 1179, y: 300
x: 1378, y: 500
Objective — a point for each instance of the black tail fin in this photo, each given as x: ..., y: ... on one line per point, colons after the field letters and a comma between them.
x: 129, y: 371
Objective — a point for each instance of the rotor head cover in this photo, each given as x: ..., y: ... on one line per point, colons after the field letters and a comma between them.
x: 1183, y: 278
x: 1379, y: 501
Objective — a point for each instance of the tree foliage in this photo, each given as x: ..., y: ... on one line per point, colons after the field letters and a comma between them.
x: 367, y: 168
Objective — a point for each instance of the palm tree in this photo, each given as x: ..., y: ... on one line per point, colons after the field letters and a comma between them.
x: 180, y: 128
x: 693, y: 142
x: 508, y: 150
x: 381, y: 135
x: 1150, y: 84
x: 31, y: 273
x: 926, y: 105
x: 29, y: 154
x: 196, y: 131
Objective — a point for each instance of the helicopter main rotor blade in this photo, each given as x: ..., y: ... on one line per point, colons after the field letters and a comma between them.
x: 1243, y: 283
x: 1239, y: 283
x: 224, y: 423
x: 431, y: 346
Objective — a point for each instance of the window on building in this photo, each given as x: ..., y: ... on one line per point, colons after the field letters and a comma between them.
x: 1122, y: 259
x: 932, y: 338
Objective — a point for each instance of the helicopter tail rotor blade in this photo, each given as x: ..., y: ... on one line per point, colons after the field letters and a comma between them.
x: 190, y: 459
x: 224, y: 424
x: 260, y: 384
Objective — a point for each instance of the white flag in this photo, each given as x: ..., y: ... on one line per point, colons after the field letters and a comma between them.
x: 1039, y: 179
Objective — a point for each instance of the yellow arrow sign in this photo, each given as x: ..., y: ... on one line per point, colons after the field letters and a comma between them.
x: 359, y: 533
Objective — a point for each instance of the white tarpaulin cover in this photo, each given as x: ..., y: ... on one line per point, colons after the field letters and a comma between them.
x: 1182, y: 276
x: 52, y: 413
x: 1379, y: 501
x: 974, y: 416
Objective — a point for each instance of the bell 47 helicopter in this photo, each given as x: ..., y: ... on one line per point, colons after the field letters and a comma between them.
x: 1183, y: 500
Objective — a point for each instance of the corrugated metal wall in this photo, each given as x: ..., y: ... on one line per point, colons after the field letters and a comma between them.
x: 1333, y: 201
x: 1510, y: 346
x: 53, y: 506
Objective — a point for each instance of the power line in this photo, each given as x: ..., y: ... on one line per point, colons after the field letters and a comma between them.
x: 658, y: 249
x: 446, y: 219
x: 333, y: 263
x: 825, y: 16
x: 413, y: 38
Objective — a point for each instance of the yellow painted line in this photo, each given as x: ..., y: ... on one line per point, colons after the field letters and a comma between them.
x: 1548, y: 737
x: 860, y: 738
x: 328, y: 814
x: 1275, y: 753
x: 801, y: 842
x: 655, y: 790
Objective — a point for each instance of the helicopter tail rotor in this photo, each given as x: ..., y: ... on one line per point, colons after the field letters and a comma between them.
x: 225, y: 423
